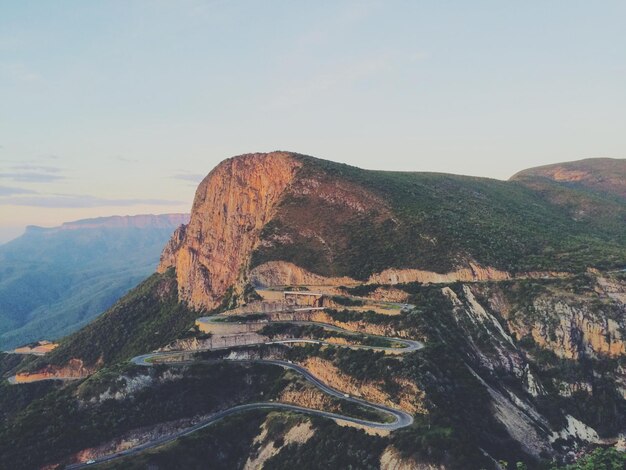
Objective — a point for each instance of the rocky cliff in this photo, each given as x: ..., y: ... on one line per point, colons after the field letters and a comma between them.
x: 231, y: 206
x: 282, y: 219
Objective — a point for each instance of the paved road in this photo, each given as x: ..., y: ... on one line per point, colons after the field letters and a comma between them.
x: 214, y: 418
x: 400, y: 419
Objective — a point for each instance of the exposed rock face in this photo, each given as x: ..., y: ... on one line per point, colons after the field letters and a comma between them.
x: 75, y: 369
x: 392, y: 460
x: 577, y: 332
x: 283, y: 273
x: 231, y: 206
x: 410, y: 398
x: 570, y: 325
x: 471, y: 273
x: 266, y: 446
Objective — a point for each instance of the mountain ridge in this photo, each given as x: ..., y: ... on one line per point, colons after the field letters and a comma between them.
x: 603, y: 175
x: 54, y: 280
x: 353, y: 211
x: 116, y: 221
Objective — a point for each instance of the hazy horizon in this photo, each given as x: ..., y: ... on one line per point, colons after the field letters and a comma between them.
x: 120, y: 108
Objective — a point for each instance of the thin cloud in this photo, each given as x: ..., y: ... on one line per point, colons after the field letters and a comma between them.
x: 31, y: 177
x: 73, y: 201
x: 11, y: 191
x: 191, y: 177
x: 45, y: 168
x: 20, y: 73
x: 126, y: 159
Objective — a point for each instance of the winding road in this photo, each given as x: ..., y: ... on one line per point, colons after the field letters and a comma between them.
x: 400, y: 418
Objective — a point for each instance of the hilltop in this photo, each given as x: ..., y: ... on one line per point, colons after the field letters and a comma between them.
x: 600, y: 175
x: 289, y: 217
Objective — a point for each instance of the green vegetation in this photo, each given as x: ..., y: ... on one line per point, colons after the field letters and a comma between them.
x: 52, y: 283
x: 430, y: 221
x: 368, y: 316
x: 222, y: 446
x: 148, y: 317
x: 346, y: 301
x: 362, y: 290
x: 331, y: 447
x: 13, y: 399
x: 599, y: 459
x: 243, y: 318
x: 9, y: 363
x: 290, y: 330
x: 85, y: 414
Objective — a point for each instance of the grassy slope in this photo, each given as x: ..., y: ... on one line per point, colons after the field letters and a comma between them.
x: 439, y: 221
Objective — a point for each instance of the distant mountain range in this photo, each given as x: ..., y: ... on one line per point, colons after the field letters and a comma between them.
x: 54, y: 280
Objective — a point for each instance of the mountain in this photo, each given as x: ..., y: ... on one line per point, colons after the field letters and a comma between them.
x: 600, y: 175
x: 55, y: 280
x: 281, y: 209
x: 430, y: 321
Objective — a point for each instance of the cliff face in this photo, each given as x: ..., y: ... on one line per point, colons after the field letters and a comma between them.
x: 284, y: 219
x: 231, y: 206
x: 74, y: 369
x: 575, y: 318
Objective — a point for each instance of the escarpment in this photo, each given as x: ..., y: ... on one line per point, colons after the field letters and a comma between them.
x: 287, y: 219
x: 231, y: 206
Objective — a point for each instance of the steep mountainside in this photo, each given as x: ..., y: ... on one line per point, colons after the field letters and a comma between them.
x: 488, y: 322
x: 337, y: 221
x: 232, y: 205
x: 54, y: 280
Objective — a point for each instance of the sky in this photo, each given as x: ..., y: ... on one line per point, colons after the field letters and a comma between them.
x: 121, y: 107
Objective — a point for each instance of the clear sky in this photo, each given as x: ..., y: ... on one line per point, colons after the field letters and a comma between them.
x: 120, y: 107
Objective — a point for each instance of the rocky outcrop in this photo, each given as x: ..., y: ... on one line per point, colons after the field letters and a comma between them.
x: 410, y: 398
x: 266, y: 446
x: 576, y: 331
x: 283, y: 273
x: 308, y: 396
x: 74, y: 369
x: 391, y: 459
x: 231, y: 206
x: 285, y: 217
x: 473, y: 272
x: 571, y: 325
